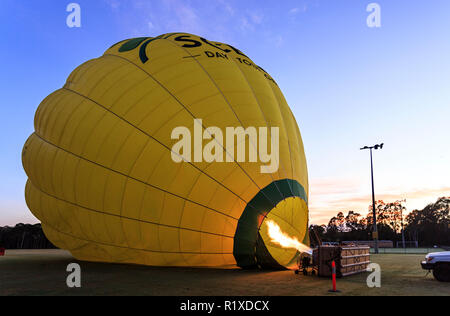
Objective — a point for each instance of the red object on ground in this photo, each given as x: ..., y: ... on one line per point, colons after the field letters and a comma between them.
x: 333, y: 271
x: 2, y: 251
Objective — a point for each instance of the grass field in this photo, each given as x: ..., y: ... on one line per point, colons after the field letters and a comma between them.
x: 43, y: 272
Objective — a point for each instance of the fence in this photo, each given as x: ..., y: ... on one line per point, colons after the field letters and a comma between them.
x: 370, y: 243
x: 418, y: 251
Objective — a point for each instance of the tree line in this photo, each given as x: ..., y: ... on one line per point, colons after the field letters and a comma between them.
x: 24, y: 236
x: 428, y: 227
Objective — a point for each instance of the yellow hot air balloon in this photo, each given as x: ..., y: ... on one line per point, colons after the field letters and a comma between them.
x: 103, y: 175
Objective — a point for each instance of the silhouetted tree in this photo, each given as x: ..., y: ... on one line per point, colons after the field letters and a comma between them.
x: 24, y: 236
x: 430, y: 226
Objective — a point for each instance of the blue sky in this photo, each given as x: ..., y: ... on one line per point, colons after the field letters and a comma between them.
x: 348, y: 85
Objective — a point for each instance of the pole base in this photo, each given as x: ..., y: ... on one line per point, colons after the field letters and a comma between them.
x: 333, y: 291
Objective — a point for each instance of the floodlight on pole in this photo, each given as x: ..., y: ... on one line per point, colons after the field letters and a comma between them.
x: 375, y: 230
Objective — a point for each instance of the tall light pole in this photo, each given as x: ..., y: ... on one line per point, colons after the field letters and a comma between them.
x: 375, y: 230
x: 403, y: 231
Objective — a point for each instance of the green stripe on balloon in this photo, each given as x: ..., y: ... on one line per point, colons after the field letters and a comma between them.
x: 132, y: 44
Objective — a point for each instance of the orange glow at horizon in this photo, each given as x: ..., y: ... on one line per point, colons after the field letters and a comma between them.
x: 329, y: 196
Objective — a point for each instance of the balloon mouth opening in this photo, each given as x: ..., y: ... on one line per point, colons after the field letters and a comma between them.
x: 273, y: 227
x: 277, y: 249
x: 264, y: 258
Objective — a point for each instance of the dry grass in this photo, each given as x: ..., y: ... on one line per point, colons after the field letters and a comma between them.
x: 44, y: 273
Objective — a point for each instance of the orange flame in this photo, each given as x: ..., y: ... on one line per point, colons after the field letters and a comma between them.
x: 282, y: 239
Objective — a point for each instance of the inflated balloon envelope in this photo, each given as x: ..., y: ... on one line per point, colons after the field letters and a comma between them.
x: 101, y: 174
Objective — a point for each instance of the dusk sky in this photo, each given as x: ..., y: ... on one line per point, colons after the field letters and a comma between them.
x: 348, y: 85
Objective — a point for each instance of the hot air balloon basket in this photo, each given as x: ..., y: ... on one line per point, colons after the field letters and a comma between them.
x: 349, y: 260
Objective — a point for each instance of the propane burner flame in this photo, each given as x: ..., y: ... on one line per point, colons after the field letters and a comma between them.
x: 285, y: 241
